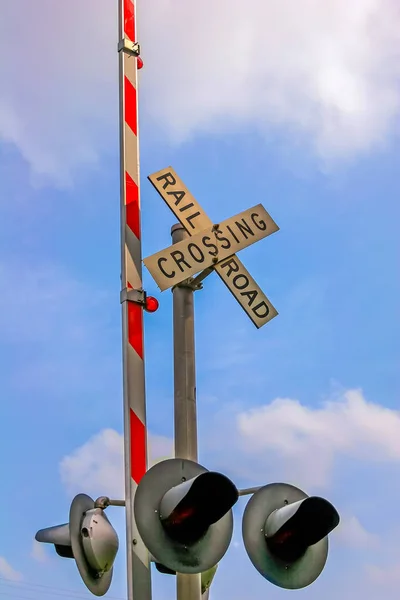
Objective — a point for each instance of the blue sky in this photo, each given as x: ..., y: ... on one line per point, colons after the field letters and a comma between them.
x: 312, y: 398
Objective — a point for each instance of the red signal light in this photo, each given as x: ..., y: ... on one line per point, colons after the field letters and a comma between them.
x: 140, y: 63
x: 151, y: 304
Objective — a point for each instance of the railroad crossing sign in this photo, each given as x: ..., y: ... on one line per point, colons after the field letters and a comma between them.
x: 211, y: 247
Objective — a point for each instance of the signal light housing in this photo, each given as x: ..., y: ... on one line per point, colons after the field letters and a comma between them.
x: 285, y: 534
x: 183, y: 514
x: 90, y: 539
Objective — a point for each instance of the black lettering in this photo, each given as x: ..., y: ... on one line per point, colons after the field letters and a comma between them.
x: 161, y: 260
x: 260, y: 224
x: 232, y: 233
x: 191, y: 248
x: 193, y: 216
x: 244, y: 228
x: 179, y: 258
x: 251, y: 295
x: 234, y: 267
x: 204, y: 242
x: 237, y: 278
x: 178, y: 196
x: 258, y: 307
x: 169, y: 179
x: 186, y: 207
x: 221, y: 238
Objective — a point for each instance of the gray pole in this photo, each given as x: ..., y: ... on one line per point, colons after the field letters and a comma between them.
x: 188, y: 586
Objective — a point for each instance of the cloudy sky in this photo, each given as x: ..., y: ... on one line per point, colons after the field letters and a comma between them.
x: 294, y: 104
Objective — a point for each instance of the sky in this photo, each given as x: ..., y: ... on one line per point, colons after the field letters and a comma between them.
x: 294, y: 105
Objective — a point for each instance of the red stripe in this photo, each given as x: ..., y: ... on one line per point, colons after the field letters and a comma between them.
x: 138, y: 447
x: 129, y: 20
x: 132, y: 205
x: 135, y: 327
x: 130, y: 106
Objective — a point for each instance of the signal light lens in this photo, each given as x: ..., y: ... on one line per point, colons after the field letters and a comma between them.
x: 151, y: 304
x: 140, y: 63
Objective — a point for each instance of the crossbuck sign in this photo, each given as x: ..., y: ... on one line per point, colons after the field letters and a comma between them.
x: 211, y: 247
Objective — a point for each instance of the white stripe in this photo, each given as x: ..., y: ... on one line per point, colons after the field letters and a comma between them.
x: 139, y: 548
x: 136, y: 376
x: 133, y: 259
x: 131, y: 153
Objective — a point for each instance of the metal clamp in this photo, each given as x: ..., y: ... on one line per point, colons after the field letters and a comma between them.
x: 137, y: 296
x: 132, y: 48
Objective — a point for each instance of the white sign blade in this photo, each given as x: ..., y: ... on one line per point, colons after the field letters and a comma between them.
x: 246, y: 291
x: 183, y: 260
x: 176, y: 195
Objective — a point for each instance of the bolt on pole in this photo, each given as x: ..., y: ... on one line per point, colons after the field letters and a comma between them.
x: 185, y: 415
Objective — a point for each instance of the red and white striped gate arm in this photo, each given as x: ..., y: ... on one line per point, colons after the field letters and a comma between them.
x: 135, y: 432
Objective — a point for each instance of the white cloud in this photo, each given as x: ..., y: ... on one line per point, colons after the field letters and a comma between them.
x: 385, y: 576
x: 327, y: 70
x: 305, y: 441
x: 286, y: 437
x: 97, y: 465
x: 324, y: 71
x: 160, y: 448
x: 351, y: 533
x: 7, y: 571
x: 58, y: 99
x: 38, y: 552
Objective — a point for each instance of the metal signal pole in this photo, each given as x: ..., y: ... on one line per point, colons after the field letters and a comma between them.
x: 185, y: 415
x: 132, y: 300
